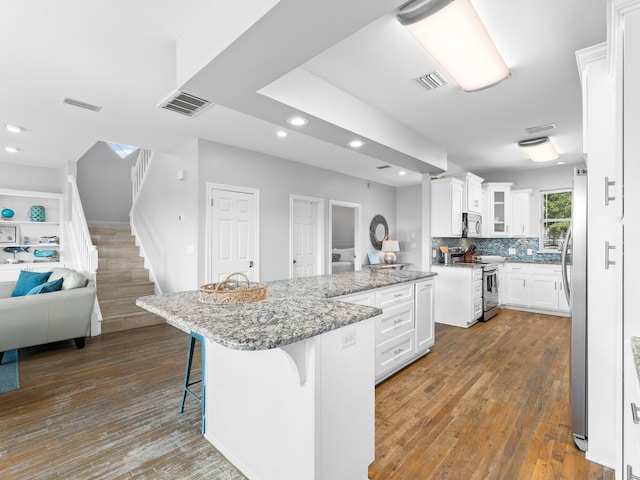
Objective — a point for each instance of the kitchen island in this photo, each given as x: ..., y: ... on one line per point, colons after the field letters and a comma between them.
x: 290, y: 380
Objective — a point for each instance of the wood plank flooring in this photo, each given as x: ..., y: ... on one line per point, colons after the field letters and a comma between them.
x: 489, y: 402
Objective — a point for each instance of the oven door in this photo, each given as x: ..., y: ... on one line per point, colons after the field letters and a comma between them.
x: 490, y: 289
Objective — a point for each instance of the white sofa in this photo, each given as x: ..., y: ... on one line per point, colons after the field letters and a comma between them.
x: 47, y: 317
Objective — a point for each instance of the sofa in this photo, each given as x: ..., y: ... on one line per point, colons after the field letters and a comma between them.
x: 36, y: 319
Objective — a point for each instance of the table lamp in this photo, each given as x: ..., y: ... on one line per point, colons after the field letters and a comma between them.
x: 389, y: 247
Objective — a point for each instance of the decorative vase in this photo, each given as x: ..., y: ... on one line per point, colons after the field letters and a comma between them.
x: 7, y: 214
x: 36, y: 213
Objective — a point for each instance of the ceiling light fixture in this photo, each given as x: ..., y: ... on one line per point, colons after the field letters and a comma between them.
x: 13, y: 128
x: 297, y: 121
x: 454, y: 35
x: 539, y: 149
x: 10, y: 149
x: 281, y: 134
x: 356, y: 143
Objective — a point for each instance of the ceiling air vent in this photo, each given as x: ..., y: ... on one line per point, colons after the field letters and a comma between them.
x: 78, y: 103
x: 541, y: 128
x: 185, y: 103
x: 432, y: 80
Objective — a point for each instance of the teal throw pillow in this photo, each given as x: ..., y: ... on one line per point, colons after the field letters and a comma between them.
x: 27, y: 281
x: 52, y: 286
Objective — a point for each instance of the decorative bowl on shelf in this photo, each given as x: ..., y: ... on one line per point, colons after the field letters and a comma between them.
x: 7, y: 214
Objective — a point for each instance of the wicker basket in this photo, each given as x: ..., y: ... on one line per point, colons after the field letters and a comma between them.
x: 231, y: 291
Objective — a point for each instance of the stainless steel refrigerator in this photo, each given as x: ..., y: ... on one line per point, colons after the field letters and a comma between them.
x: 576, y: 291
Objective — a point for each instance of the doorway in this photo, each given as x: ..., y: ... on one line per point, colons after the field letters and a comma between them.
x: 232, y: 232
x: 345, y: 237
x: 306, y: 229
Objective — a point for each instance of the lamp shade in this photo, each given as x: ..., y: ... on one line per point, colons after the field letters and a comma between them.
x: 539, y: 149
x: 390, y: 246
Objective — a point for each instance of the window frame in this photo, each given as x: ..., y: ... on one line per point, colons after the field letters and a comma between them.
x: 543, y: 219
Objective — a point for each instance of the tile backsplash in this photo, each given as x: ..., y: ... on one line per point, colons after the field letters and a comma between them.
x: 499, y: 246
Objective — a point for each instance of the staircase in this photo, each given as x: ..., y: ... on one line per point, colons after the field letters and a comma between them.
x: 121, y: 278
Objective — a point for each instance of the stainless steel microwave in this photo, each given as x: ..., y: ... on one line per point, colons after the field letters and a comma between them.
x: 471, y: 225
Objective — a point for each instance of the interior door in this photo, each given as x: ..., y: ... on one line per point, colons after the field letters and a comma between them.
x: 233, y: 232
x: 307, y: 236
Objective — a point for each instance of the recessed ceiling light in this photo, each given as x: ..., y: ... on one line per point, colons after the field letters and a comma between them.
x: 10, y: 149
x: 297, y: 121
x: 402, y: 172
x: 281, y: 133
x: 13, y: 128
x: 561, y: 162
x: 356, y: 143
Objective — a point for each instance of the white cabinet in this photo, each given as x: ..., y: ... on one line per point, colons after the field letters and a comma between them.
x: 497, y: 218
x: 520, y: 213
x: 458, y: 299
x: 535, y: 286
x: 446, y: 207
x: 516, y: 289
x: 471, y: 192
x: 405, y: 329
x: 41, y: 234
x: 424, y: 315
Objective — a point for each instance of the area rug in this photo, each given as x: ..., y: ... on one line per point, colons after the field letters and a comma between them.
x: 9, y: 378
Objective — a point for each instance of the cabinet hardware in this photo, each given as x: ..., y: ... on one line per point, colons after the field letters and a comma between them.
x: 398, y: 321
x: 607, y: 183
x: 398, y: 295
x: 630, y: 475
x: 634, y: 413
x: 607, y: 259
x: 398, y: 351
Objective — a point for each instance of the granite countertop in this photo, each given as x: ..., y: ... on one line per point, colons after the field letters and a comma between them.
x: 294, y: 309
x: 635, y: 350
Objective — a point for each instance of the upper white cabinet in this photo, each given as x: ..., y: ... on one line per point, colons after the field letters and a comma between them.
x: 497, y: 218
x: 471, y: 193
x: 446, y: 207
x: 520, y: 213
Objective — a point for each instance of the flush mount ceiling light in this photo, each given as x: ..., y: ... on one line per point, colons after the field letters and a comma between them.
x: 9, y: 149
x: 13, y: 128
x: 297, y: 121
x: 454, y: 35
x: 356, y: 143
x: 539, y: 149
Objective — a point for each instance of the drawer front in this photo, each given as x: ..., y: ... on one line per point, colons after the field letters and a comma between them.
x: 364, y: 298
x: 546, y: 269
x: 394, y: 353
x: 477, y: 309
x: 394, y: 322
x: 394, y: 295
x: 516, y: 268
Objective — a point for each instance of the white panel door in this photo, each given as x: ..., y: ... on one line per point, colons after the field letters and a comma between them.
x: 233, y: 233
x: 305, y: 238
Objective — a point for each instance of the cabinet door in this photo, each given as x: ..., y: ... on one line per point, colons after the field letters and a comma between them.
x: 544, y: 291
x: 520, y: 221
x: 474, y: 196
x: 424, y: 316
x: 498, y: 210
x: 517, y: 290
x: 446, y: 207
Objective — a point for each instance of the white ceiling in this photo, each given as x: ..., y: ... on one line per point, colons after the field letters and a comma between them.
x: 349, y: 66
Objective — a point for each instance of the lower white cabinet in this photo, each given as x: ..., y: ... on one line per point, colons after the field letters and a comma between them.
x: 458, y: 299
x: 534, y: 286
x: 405, y: 330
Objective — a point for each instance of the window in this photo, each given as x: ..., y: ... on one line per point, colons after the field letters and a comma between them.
x: 555, y: 219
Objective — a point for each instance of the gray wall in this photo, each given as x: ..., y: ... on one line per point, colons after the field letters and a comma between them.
x: 30, y: 177
x: 104, y: 183
x: 409, y: 231
x: 276, y: 179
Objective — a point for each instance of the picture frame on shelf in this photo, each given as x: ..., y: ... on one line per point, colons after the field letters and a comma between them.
x: 8, y: 234
x: 374, y: 258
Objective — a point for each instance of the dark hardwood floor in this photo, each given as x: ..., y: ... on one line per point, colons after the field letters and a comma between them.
x: 489, y: 402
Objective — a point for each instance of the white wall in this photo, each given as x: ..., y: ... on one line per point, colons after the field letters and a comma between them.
x: 276, y: 179
x: 170, y: 245
x: 30, y: 177
x: 104, y: 184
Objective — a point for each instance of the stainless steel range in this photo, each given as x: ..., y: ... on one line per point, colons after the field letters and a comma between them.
x: 490, y: 302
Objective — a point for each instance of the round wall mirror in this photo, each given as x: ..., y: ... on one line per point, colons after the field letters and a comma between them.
x: 378, y: 231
